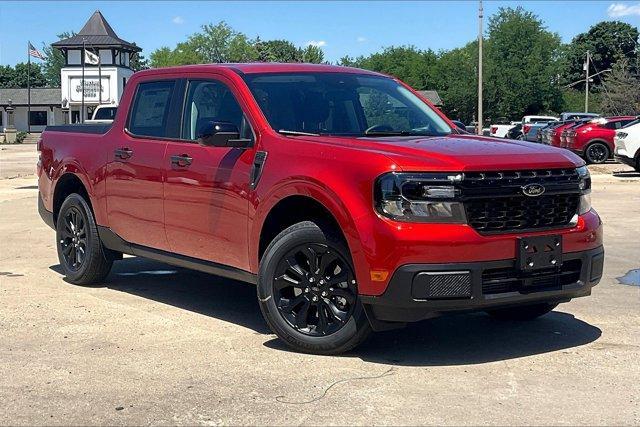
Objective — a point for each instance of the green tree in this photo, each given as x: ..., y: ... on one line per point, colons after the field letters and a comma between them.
x: 313, y: 55
x: 621, y: 91
x: 608, y: 42
x: 408, y: 63
x: 54, y: 61
x: 456, y: 81
x: 221, y: 43
x: 213, y: 44
x: 183, y: 54
x: 7, y: 76
x: 277, y: 51
x: 17, y: 77
x: 522, y: 63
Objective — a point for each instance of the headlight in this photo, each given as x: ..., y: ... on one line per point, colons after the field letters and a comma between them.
x: 585, y: 190
x: 428, y: 197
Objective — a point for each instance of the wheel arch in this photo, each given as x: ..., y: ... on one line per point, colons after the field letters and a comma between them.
x: 69, y: 183
x: 299, y: 203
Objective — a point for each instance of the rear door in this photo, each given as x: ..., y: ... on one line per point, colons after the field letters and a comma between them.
x: 207, y: 188
x: 135, y: 174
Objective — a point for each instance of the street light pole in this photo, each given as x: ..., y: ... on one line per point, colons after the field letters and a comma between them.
x: 480, y: 119
x: 586, y: 86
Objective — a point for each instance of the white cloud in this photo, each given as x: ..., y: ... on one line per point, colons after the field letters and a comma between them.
x: 316, y: 43
x: 178, y: 20
x: 361, y: 39
x: 617, y: 10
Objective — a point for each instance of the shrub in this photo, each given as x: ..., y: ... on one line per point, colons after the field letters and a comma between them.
x: 20, y: 136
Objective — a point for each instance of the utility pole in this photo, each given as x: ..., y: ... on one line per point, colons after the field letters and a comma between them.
x: 586, y: 84
x: 480, y: 119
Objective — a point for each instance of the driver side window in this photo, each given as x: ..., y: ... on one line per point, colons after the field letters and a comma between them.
x: 211, y: 101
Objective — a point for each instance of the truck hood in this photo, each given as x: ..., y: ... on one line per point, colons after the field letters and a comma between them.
x: 462, y: 153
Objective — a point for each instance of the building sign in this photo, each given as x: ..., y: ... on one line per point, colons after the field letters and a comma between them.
x: 91, y: 89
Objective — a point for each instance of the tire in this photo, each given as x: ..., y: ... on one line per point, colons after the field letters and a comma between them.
x: 313, y: 310
x: 81, y: 254
x: 527, y: 312
x: 596, y: 153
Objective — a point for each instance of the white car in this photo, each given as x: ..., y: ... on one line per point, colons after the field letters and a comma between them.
x: 627, y: 145
x: 103, y: 114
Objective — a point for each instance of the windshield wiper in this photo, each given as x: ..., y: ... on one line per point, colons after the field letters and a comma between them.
x: 295, y: 132
x: 395, y: 133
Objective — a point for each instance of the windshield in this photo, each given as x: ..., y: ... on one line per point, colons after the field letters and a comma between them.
x: 342, y: 104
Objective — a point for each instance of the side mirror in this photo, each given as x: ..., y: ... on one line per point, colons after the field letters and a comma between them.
x: 220, y: 134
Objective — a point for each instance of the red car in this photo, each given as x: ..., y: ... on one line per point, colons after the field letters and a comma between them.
x: 593, y: 140
x: 348, y: 200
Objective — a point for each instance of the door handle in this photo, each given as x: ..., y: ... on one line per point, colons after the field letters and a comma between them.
x: 182, y: 160
x: 123, y: 153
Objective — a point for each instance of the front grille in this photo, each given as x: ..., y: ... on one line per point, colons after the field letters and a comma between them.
x: 501, y: 280
x: 494, y: 201
x: 522, y: 212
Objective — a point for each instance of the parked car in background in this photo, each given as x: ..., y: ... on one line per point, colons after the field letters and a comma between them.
x: 103, y: 114
x: 550, y: 132
x: 501, y: 127
x: 532, y: 124
x: 562, y: 139
x: 460, y: 125
x: 564, y: 117
x: 627, y: 145
x: 593, y: 140
x: 515, y: 132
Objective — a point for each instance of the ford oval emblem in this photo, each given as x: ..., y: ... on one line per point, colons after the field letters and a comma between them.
x: 533, y: 190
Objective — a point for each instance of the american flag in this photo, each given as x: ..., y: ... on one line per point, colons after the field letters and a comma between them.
x: 35, y: 52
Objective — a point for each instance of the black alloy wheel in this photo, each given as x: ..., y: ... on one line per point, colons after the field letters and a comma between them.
x: 81, y: 254
x: 73, y: 239
x: 314, y: 289
x: 597, y: 153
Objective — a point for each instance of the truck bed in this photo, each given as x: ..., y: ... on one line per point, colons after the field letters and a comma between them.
x: 99, y: 129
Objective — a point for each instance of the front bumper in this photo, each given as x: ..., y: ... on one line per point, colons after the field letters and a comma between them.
x: 481, y: 285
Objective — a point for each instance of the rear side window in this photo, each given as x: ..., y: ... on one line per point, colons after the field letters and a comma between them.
x: 150, y: 112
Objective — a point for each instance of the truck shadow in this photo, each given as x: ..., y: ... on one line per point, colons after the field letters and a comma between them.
x: 462, y: 339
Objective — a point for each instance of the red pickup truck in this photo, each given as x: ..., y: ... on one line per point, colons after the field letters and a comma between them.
x: 350, y: 201
x: 594, y: 140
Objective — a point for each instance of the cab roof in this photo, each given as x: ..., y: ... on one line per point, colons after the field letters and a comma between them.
x: 264, y: 67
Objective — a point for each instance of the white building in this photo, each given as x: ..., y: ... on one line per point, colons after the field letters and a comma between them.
x: 52, y: 106
x: 104, y: 83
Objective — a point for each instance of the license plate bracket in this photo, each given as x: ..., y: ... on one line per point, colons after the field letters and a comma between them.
x: 539, y: 253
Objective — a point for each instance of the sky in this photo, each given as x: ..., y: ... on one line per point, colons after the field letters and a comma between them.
x: 340, y: 27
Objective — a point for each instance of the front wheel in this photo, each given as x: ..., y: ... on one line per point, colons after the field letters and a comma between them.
x: 308, y: 292
x: 80, y: 252
x: 597, y: 152
x: 527, y: 312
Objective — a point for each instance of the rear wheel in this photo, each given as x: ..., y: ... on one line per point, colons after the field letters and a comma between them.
x: 308, y: 294
x: 80, y: 252
x: 527, y: 312
x: 597, y: 152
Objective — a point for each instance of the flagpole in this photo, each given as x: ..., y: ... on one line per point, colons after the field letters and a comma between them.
x: 82, y: 107
x: 28, y: 87
x: 99, y: 78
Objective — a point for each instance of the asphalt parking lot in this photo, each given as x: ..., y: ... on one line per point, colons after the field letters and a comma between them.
x: 157, y: 344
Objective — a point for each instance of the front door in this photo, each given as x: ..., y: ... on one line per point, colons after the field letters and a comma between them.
x: 206, y: 188
x: 135, y: 173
